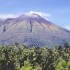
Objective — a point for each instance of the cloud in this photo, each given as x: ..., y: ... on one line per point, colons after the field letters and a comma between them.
x: 4, y: 16
x: 67, y: 27
x: 42, y: 14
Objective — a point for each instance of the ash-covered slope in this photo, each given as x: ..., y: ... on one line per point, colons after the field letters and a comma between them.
x: 31, y: 29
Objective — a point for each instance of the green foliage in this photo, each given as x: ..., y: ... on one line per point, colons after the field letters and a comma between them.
x: 61, y: 65
x: 29, y: 66
x: 34, y: 58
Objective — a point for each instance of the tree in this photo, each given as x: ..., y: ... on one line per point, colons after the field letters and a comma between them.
x: 61, y: 65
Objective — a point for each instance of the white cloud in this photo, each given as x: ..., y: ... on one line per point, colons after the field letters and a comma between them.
x: 67, y: 27
x: 5, y: 16
x: 42, y: 14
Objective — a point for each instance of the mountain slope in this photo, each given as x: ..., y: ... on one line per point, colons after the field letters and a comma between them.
x: 32, y: 29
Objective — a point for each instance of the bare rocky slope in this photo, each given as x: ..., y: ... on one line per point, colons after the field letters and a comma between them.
x: 32, y: 30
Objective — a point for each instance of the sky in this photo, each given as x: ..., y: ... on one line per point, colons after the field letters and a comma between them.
x: 56, y: 11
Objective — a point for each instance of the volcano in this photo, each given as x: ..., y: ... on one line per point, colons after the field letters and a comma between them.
x: 32, y: 29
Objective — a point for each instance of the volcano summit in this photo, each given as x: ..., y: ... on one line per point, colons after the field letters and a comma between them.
x: 32, y: 29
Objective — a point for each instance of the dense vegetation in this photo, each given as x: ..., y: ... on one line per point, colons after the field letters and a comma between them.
x: 34, y: 58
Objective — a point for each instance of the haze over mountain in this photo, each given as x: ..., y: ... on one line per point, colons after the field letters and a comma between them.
x: 32, y: 29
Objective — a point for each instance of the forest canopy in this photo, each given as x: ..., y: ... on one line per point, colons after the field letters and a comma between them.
x: 34, y: 58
